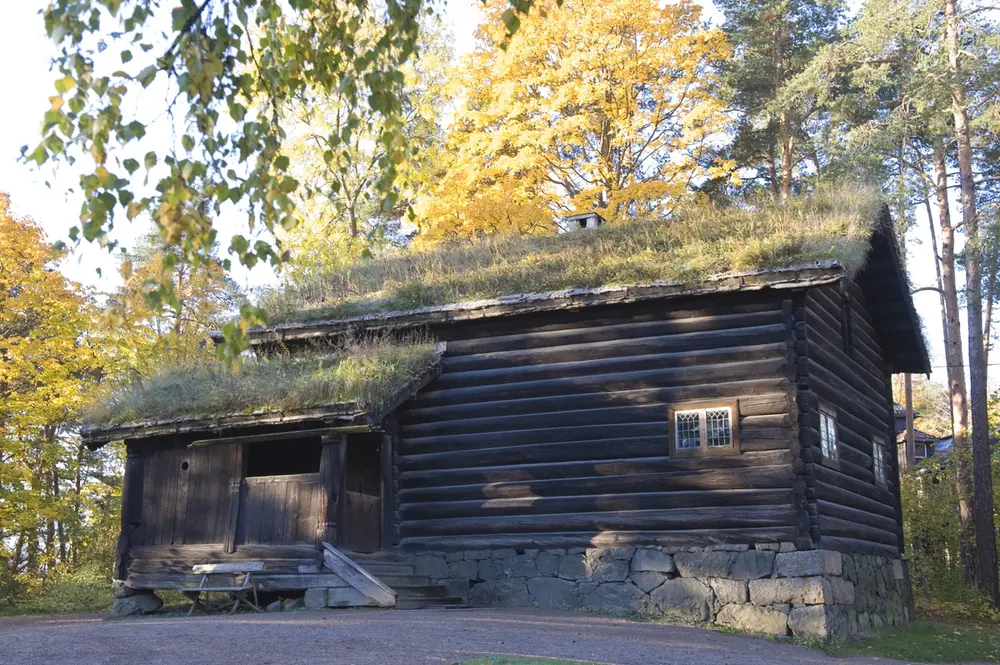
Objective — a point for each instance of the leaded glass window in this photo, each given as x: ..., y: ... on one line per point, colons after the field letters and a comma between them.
x: 878, y: 462
x: 705, y: 430
x: 719, y: 428
x: 828, y: 434
x: 688, y: 429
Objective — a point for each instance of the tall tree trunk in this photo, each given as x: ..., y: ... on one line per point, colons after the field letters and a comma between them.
x: 986, y: 547
x: 956, y: 365
x: 908, y: 442
x: 787, y: 156
x: 991, y: 293
x: 77, y: 505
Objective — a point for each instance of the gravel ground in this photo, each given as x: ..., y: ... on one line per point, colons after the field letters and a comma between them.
x: 364, y: 637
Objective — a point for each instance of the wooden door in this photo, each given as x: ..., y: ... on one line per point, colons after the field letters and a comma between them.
x: 185, y: 495
x: 362, y: 520
x: 279, y: 510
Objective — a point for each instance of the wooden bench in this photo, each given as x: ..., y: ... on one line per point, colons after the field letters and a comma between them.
x: 237, y: 592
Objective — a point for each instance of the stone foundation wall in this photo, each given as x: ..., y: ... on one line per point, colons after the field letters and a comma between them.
x: 767, y: 588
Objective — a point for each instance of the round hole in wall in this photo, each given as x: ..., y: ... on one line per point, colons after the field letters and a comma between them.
x: 184, y: 466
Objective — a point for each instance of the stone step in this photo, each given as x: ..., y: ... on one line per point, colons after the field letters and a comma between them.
x: 446, y: 602
x: 420, y: 591
x: 403, y: 580
x: 379, y: 569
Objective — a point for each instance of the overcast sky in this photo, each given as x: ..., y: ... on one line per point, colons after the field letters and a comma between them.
x: 27, y: 83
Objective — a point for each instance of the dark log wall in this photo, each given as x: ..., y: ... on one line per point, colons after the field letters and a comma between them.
x: 848, y: 510
x: 552, y: 431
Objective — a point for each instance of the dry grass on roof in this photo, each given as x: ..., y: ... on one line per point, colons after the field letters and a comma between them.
x: 832, y: 223
x: 368, y: 373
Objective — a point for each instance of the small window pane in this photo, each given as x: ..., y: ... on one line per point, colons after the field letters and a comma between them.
x: 688, y: 430
x: 720, y: 431
x: 878, y: 458
x: 828, y: 435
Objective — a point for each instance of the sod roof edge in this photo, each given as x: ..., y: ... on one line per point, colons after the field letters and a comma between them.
x: 815, y: 273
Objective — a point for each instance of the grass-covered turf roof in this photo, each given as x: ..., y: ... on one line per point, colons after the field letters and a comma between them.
x: 701, y: 241
x: 366, y: 374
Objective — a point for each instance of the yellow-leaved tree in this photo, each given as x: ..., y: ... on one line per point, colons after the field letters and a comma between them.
x: 609, y: 105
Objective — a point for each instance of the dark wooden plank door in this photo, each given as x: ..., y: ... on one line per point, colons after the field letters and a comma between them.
x: 362, y: 529
x: 279, y: 509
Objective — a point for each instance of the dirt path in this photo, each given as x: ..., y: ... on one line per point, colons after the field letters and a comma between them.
x: 345, y: 637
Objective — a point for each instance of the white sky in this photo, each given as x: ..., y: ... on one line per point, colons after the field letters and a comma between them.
x: 27, y: 82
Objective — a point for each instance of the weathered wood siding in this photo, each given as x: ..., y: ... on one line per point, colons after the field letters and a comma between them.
x: 280, y: 509
x: 552, y: 431
x: 185, y: 495
x: 848, y: 510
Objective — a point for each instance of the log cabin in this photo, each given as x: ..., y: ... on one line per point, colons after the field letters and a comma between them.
x: 719, y: 448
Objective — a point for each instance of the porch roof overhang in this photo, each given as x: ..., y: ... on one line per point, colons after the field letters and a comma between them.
x: 345, y: 417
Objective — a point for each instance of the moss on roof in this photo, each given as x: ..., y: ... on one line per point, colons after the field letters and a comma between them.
x: 367, y: 373
x: 832, y: 223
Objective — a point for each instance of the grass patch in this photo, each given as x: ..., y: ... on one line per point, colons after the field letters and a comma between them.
x: 504, y: 660
x: 832, y: 223
x: 87, y: 589
x: 928, y: 642
x: 367, y: 372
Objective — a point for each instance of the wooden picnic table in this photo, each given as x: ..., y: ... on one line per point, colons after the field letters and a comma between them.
x: 238, y: 592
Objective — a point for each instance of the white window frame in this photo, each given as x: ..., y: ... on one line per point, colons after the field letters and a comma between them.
x: 879, y: 469
x: 829, y: 434
x: 702, y: 409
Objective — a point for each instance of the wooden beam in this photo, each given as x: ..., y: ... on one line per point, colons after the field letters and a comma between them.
x: 357, y: 577
x: 281, y: 436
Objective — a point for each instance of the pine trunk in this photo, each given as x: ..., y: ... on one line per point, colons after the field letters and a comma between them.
x: 956, y: 366
x: 985, y: 532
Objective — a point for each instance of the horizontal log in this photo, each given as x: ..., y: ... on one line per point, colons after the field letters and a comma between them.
x: 846, y: 529
x: 217, y: 552
x: 639, y: 346
x: 143, y: 565
x: 730, y: 517
x: 854, y: 515
x: 593, y: 449
x: 673, y: 540
x: 613, y: 314
x: 764, y: 445
x: 437, y: 477
x: 833, y: 395
x: 744, y: 390
x: 264, y: 582
x: 530, y: 436
x: 867, y: 490
x: 769, y: 420
x: 568, y: 415
x: 855, y: 546
x: 838, y: 495
x: 585, y: 333
x: 452, y: 378
x: 750, y: 433
x: 762, y: 405
x: 767, y: 477
x: 594, y: 503
x: 652, y: 378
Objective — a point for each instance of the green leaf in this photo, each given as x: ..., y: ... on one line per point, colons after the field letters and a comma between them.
x: 281, y: 163
x: 131, y: 166
x: 150, y: 160
x: 147, y: 75
x: 39, y: 155
x: 187, y: 142
x: 126, y: 56
x: 65, y: 84
x: 237, y: 111
x: 511, y: 20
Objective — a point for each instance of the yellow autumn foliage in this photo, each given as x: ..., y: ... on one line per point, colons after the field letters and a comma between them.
x: 610, y: 105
